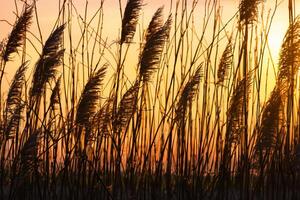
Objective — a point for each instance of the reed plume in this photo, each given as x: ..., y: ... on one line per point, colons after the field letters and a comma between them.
x: 235, y: 124
x: 14, y: 95
x: 271, y: 121
x: 14, y: 105
x: 130, y: 20
x: 46, y: 67
x: 235, y: 111
x: 100, y: 123
x: 153, y: 48
x: 188, y: 94
x: 248, y: 11
x: 225, y: 63
x: 155, y: 24
x: 289, y: 60
x: 103, y: 117
x: 13, y: 121
x: 88, y: 102
x: 18, y: 34
x: 55, y: 96
x: 126, y: 108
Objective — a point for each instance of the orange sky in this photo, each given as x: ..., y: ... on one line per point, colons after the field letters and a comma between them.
x: 48, y: 11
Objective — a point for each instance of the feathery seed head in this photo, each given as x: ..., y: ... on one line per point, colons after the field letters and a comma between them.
x: 290, y: 55
x: 46, y: 68
x: 248, y: 11
x: 225, y: 63
x: 18, y: 34
x: 235, y: 112
x: 153, y: 48
x: 188, y: 94
x: 270, y: 122
x: 15, y: 90
x: 127, y: 108
x: 55, y: 96
x: 90, y: 97
x: 155, y: 24
x: 130, y: 20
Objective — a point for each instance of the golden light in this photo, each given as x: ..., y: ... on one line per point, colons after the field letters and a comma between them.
x: 275, y: 39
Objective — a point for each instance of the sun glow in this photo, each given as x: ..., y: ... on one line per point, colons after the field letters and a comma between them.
x: 275, y: 39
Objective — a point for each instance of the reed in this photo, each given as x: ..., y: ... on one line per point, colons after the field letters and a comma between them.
x: 172, y: 110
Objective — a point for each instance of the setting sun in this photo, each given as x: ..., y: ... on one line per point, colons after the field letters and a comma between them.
x: 275, y: 38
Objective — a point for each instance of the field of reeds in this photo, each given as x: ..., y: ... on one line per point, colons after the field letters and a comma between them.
x: 167, y: 110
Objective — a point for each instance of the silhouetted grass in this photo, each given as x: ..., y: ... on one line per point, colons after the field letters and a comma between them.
x: 187, y: 120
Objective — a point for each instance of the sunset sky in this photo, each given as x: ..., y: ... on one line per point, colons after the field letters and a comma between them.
x: 48, y: 10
